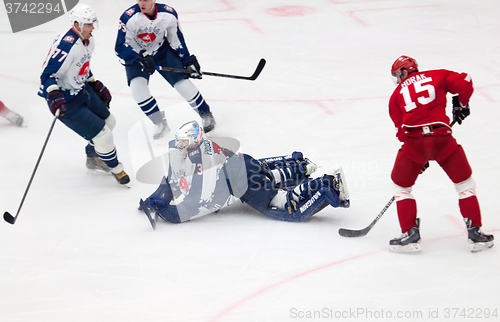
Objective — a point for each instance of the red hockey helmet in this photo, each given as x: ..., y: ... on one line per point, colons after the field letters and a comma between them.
x: 406, y: 62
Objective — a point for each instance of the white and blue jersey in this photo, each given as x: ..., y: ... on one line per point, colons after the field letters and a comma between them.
x: 67, y: 65
x: 136, y: 31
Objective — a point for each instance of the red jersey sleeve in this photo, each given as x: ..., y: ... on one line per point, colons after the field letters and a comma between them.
x: 460, y: 84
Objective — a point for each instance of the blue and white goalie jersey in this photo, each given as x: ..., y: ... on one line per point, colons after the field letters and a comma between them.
x: 67, y: 65
x: 136, y: 31
x: 197, y: 180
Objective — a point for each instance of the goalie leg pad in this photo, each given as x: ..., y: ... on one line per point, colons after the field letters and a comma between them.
x: 305, y: 209
x: 282, y: 161
x: 288, y: 171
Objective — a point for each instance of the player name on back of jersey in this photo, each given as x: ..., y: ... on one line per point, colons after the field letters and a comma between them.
x: 413, y: 79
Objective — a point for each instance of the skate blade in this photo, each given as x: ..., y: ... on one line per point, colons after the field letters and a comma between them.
x: 98, y: 172
x: 410, y: 248
x: 477, y: 247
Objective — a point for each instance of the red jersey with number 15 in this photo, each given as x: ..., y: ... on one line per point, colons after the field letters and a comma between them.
x: 420, y: 100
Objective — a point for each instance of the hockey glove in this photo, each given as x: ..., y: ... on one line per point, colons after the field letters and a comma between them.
x: 101, y: 91
x: 147, y: 62
x: 57, y: 102
x: 460, y: 112
x: 193, y: 67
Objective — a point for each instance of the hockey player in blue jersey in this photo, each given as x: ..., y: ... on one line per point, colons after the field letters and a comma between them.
x: 70, y: 89
x: 149, y: 35
x: 203, y: 177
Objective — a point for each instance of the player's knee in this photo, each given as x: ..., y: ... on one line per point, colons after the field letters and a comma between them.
x: 401, y: 193
x: 186, y: 88
x: 466, y: 188
x: 110, y: 122
x: 140, y: 89
x: 103, y: 142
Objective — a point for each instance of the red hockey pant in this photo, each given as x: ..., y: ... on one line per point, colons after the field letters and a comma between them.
x: 411, y: 158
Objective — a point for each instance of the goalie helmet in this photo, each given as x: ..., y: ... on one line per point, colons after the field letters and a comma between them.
x: 83, y: 14
x: 188, y: 136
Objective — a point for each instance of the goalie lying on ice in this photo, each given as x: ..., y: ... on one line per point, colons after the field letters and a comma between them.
x: 203, y: 177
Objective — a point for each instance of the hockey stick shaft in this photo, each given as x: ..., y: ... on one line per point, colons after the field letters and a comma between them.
x: 254, y: 76
x: 362, y: 232
x: 7, y: 216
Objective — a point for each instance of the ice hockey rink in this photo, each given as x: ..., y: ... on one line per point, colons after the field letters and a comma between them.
x: 81, y: 251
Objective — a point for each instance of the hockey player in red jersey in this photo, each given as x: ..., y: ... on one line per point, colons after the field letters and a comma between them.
x: 418, y: 109
x: 11, y: 116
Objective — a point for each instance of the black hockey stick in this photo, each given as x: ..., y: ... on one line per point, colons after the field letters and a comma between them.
x: 362, y: 232
x: 7, y: 216
x: 254, y: 76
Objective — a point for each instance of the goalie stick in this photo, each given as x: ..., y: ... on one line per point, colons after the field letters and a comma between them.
x: 362, y: 232
x: 7, y: 216
x: 254, y: 76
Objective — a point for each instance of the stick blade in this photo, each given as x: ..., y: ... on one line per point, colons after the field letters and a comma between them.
x: 259, y: 69
x: 352, y: 233
x: 9, y: 218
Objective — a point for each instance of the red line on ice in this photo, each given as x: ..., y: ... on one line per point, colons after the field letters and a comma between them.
x: 277, y: 284
x: 352, y: 13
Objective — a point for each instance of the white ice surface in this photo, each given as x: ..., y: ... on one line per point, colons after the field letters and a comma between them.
x: 81, y: 251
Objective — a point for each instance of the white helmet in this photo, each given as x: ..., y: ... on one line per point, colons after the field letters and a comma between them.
x: 83, y: 14
x: 188, y: 136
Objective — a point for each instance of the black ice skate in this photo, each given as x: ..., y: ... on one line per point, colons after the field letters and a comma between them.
x: 409, y: 242
x: 478, y: 240
x: 208, y: 122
